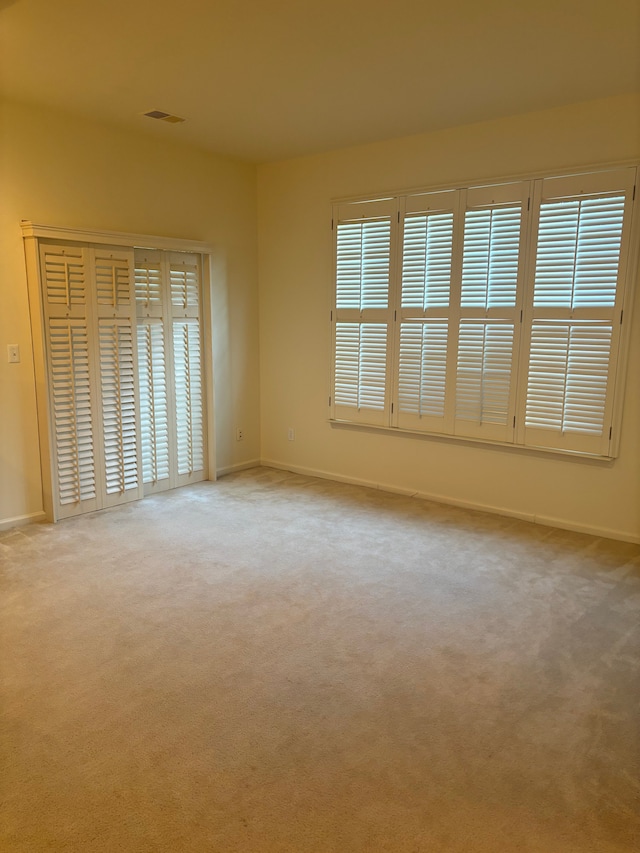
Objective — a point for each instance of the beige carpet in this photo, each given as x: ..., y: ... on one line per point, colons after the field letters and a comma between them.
x: 276, y: 663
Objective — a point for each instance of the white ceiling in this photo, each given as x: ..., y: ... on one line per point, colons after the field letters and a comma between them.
x: 271, y: 79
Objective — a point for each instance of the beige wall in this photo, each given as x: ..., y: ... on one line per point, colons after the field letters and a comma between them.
x: 59, y: 170
x: 295, y: 281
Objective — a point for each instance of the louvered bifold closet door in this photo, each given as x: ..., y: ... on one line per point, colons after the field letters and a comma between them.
x: 573, y: 328
x: 361, y: 317
x: 115, y: 310
x: 490, y: 304
x: 67, y: 309
x: 424, y: 343
x: 184, y: 275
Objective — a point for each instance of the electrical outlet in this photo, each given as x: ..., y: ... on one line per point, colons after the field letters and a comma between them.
x: 291, y: 434
x: 13, y: 353
x: 239, y: 434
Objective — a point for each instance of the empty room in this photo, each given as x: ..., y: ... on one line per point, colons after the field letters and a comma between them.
x: 320, y: 434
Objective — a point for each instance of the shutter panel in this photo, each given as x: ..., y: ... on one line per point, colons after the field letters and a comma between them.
x: 363, y: 257
x: 64, y: 276
x: 422, y: 374
x: 148, y: 284
x: 154, y: 415
x: 364, y: 233
x: 71, y: 399
x: 184, y: 283
x: 484, y: 379
x: 115, y: 305
x: 426, y: 260
x: 569, y: 373
x: 579, y: 252
x: 491, y: 257
x: 188, y: 395
x: 169, y: 353
x: 577, y: 283
x: 119, y: 427
x: 361, y: 368
x: 113, y: 280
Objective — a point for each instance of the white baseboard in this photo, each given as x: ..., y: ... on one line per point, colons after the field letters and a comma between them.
x: 547, y: 521
x: 239, y: 466
x: 21, y: 520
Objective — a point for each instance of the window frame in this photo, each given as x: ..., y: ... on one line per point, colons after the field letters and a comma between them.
x: 598, y: 180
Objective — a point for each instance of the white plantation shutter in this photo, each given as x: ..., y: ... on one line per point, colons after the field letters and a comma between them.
x: 119, y: 421
x: 491, y: 285
x: 484, y: 379
x: 87, y: 296
x: 423, y: 342
x: 574, y: 321
x: 493, y: 312
x: 422, y: 372
x: 188, y: 391
x: 364, y: 234
x: 170, y: 374
x: 579, y: 252
x: 490, y: 257
x: 64, y: 274
x: 361, y: 365
x: 71, y: 398
x: 113, y: 276
x: 154, y: 411
x: 363, y: 257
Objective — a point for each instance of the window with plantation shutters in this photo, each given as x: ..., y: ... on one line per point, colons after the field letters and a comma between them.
x: 491, y: 313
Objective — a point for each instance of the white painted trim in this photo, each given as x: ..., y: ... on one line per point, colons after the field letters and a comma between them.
x: 240, y: 466
x: 114, y: 238
x: 564, y: 172
x: 22, y: 520
x: 545, y: 520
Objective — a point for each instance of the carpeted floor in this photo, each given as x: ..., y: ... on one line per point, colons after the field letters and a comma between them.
x: 276, y: 663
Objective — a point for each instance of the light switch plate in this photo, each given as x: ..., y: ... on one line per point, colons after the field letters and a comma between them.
x: 13, y: 353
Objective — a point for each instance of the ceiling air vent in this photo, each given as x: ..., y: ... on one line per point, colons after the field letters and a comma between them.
x: 164, y: 116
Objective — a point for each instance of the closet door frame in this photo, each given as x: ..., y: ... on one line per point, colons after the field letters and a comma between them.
x: 33, y: 235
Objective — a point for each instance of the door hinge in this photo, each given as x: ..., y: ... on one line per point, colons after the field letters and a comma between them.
x: 529, y: 203
x: 395, y: 316
x: 329, y: 400
x: 621, y: 316
x: 521, y: 313
x: 392, y: 408
x: 634, y: 193
x: 514, y: 421
x: 610, y: 432
x: 398, y: 216
x: 332, y: 224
